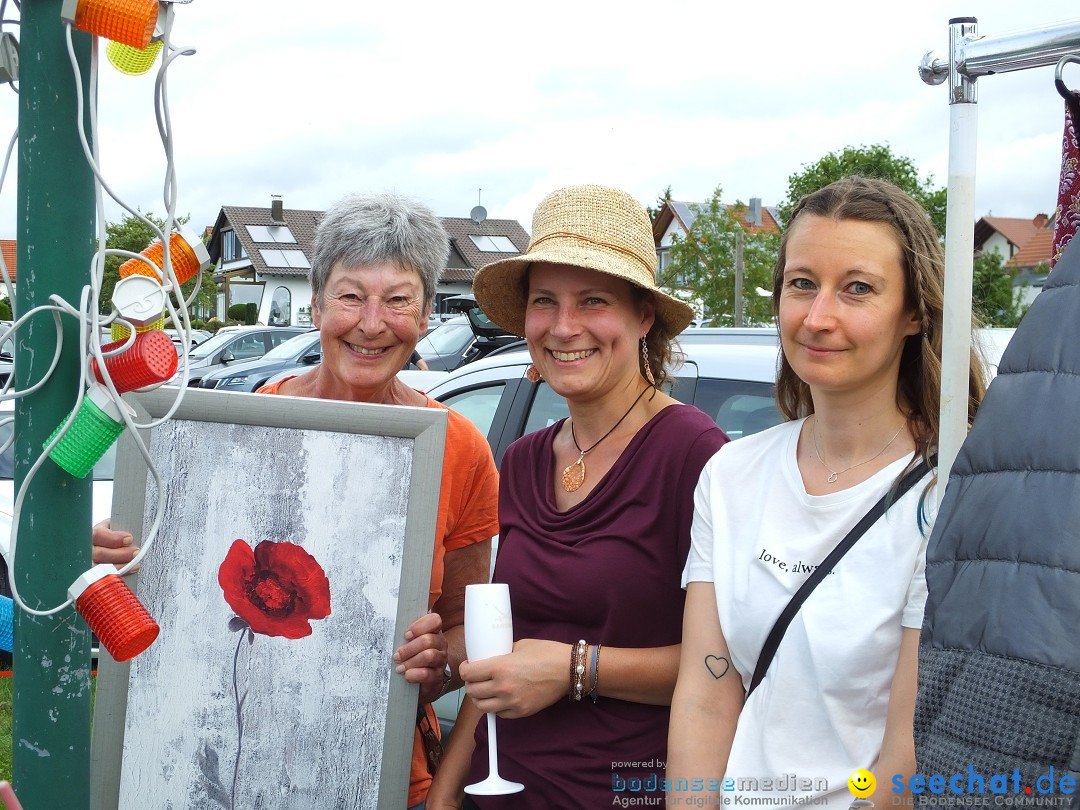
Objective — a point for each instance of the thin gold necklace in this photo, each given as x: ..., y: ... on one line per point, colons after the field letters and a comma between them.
x: 574, y: 475
x: 834, y: 474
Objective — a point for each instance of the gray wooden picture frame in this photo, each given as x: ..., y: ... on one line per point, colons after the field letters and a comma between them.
x: 258, y: 420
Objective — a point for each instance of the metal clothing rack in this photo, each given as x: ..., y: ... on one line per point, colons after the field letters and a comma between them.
x: 970, y: 57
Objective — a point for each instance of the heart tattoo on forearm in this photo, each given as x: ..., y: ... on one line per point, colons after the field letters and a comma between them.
x: 717, y: 666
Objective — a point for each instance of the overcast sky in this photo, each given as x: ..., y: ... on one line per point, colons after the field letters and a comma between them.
x: 317, y: 99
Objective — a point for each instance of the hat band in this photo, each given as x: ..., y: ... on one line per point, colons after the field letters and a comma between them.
x: 618, y: 249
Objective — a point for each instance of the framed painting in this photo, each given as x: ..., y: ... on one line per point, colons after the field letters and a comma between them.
x: 241, y: 703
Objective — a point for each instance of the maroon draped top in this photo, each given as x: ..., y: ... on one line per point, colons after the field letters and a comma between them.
x: 608, y: 571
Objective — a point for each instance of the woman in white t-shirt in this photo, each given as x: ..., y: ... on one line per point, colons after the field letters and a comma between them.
x: 858, y: 292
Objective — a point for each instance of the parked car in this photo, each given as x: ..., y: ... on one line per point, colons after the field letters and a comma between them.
x: 242, y: 343
x: 732, y: 382
x: 297, y: 352
x: 990, y: 342
x: 445, y: 345
x: 197, y: 336
x: 462, y: 340
x: 763, y: 335
x: 7, y: 353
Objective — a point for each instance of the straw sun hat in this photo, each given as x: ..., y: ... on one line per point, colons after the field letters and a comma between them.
x: 594, y: 227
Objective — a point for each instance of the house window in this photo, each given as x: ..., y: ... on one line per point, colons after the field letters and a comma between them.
x: 281, y: 307
x: 243, y: 292
x: 493, y: 244
x: 662, y: 259
x: 271, y: 233
x: 284, y: 258
x: 663, y: 264
x: 231, y: 249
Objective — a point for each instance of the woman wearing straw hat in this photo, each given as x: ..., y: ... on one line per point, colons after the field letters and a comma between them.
x: 594, y: 515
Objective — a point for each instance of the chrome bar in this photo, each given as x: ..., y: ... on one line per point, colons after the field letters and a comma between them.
x: 983, y: 56
x: 1018, y: 51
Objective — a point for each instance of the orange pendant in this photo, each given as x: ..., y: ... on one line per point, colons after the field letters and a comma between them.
x: 574, y: 475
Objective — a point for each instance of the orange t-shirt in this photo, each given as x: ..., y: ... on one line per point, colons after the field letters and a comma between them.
x: 468, y: 513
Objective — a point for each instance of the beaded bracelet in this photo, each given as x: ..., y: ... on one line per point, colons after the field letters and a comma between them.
x: 595, y: 672
x: 579, y: 654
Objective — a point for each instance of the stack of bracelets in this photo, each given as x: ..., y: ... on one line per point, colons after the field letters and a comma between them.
x: 579, y: 657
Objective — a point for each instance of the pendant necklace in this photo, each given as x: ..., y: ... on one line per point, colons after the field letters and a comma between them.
x: 574, y: 475
x: 834, y: 474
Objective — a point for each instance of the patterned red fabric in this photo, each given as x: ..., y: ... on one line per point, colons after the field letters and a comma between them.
x: 1067, y: 216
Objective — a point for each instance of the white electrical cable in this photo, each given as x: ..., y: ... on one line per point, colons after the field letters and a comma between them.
x: 56, y: 352
x: 164, y: 125
x: 91, y: 322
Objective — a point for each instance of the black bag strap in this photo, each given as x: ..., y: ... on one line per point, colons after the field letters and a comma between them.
x: 772, y: 642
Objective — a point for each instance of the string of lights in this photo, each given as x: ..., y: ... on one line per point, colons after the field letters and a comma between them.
x: 138, y: 355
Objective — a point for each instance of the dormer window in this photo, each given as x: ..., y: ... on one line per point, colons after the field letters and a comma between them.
x: 231, y: 249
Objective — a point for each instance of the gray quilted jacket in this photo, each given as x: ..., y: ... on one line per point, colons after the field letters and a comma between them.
x: 999, y: 659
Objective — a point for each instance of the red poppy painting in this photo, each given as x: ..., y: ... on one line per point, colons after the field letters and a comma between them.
x: 277, y: 588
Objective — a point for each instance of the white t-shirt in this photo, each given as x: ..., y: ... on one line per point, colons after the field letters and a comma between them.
x: 819, y: 714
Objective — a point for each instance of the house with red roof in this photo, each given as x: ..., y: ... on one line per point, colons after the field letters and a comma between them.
x: 676, y: 219
x: 1026, y: 247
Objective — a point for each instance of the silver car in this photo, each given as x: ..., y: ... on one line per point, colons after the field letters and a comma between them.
x: 731, y: 382
x: 301, y: 352
x: 241, y: 343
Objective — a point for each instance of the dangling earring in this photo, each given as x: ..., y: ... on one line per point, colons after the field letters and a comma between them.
x: 531, y: 374
x: 645, y: 362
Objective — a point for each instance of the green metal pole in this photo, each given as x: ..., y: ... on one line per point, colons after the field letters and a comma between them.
x: 51, y: 721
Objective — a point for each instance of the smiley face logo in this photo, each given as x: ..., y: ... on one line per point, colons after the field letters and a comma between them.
x: 862, y: 783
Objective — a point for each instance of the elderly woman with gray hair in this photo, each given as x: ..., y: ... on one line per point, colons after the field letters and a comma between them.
x: 373, y: 276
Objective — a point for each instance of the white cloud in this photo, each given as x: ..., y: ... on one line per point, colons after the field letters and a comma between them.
x: 315, y: 100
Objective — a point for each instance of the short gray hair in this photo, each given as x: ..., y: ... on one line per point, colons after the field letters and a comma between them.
x: 364, y: 230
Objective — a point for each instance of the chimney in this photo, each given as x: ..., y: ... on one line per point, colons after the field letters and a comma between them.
x: 753, y: 215
x: 277, y: 209
x: 1040, y: 220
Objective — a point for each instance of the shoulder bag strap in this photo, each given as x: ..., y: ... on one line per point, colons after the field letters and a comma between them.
x: 827, y: 565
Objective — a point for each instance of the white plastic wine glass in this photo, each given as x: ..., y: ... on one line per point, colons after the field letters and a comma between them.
x: 489, y: 631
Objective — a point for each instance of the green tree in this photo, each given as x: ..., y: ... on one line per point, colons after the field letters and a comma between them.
x: 993, y: 296
x: 134, y: 235
x: 877, y: 161
x: 206, y: 300
x: 702, y: 264
x: 662, y: 199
